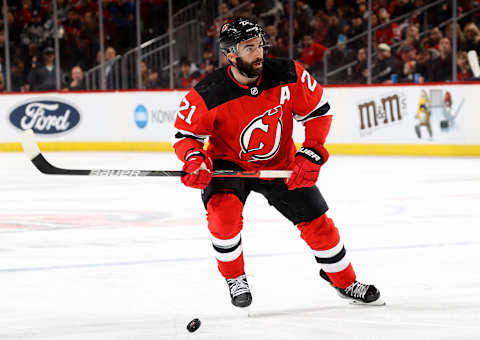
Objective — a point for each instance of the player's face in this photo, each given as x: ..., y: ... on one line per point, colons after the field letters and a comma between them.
x: 250, y: 57
x: 308, y: 41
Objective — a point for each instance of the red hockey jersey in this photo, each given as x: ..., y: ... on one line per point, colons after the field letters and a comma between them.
x: 252, y: 125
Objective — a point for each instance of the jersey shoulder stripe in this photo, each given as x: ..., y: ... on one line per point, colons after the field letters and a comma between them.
x: 218, y: 88
x: 318, y: 112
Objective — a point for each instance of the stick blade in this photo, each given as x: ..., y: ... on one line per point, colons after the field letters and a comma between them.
x: 29, y: 145
x: 473, y: 61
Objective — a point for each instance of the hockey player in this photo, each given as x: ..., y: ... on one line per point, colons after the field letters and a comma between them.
x: 246, y: 110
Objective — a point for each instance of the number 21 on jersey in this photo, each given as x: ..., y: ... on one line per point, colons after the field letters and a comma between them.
x: 185, y: 105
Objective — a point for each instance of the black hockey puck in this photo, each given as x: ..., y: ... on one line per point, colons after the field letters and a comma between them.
x: 193, y: 325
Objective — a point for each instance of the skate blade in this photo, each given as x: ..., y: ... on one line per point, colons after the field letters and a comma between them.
x: 378, y: 302
x: 243, y: 311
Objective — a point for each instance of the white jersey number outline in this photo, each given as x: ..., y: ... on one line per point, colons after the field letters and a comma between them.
x: 311, y: 82
x: 185, y: 105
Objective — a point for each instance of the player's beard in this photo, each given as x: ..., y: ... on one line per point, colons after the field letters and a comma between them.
x: 250, y: 70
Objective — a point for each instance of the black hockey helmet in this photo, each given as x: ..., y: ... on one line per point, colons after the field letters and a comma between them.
x: 238, y: 30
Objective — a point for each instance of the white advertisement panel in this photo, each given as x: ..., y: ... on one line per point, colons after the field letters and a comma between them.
x: 437, y: 114
x: 417, y: 114
x: 91, y: 117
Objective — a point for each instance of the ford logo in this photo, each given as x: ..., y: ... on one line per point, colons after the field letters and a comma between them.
x: 141, y: 116
x: 45, y: 116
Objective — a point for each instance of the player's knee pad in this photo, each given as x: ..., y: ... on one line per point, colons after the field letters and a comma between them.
x: 224, y: 215
x: 320, y: 233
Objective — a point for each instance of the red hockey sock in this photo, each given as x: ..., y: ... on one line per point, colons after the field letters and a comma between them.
x: 323, y: 238
x: 225, y: 221
x: 344, y: 278
x: 232, y: 269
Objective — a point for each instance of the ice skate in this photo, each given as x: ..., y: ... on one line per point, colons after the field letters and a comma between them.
x: 240, y: 291
x: 357, y: 293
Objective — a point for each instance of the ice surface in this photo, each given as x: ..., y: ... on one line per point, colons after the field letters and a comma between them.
x: 130, y: 258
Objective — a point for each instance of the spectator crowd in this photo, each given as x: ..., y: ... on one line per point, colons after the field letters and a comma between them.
x: 31, y: 38
x: 409, y: 44
x: 329, y: 35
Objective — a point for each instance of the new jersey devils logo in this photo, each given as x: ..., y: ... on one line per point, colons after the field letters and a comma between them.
x: 260, y: 140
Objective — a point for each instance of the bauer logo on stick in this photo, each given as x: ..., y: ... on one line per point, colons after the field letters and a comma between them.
x: 100, y: 172
x: 45, y: 116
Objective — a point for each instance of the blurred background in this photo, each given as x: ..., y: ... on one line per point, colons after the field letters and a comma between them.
x: 159, y: 44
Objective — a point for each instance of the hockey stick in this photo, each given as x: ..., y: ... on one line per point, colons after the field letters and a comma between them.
x: 458, y: 109
x: 473, y: 61
x: 32, y: 150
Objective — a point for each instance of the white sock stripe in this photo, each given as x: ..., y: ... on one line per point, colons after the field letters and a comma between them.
x: 225, y: 243
x: 228, y: 257
x: 329, y: 252
x: 336, y: 267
